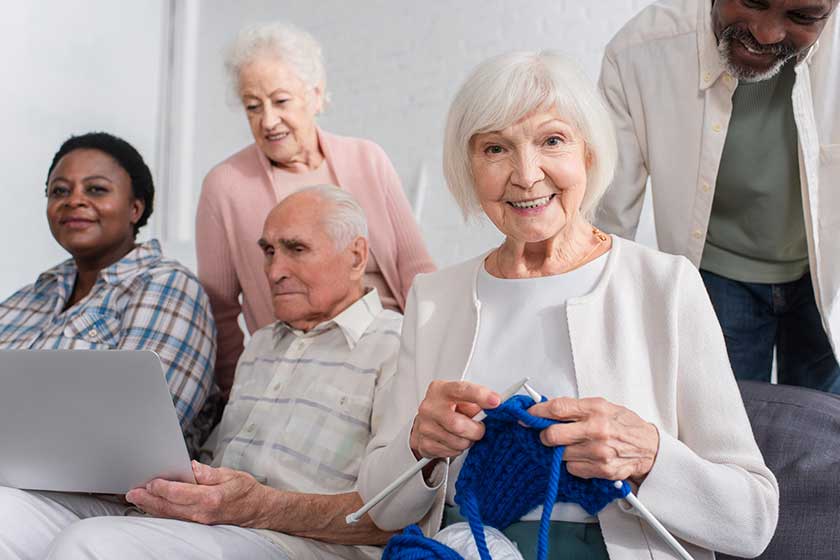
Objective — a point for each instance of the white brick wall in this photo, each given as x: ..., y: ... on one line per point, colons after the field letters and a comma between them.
x: 392, y: 68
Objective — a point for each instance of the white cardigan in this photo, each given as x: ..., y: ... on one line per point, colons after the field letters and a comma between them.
x: 647, y: 338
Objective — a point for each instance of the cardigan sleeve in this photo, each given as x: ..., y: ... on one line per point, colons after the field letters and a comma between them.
x: 709, y: 483
x: 412, y: 256
x: 218, y: 276
x: 388, y: 454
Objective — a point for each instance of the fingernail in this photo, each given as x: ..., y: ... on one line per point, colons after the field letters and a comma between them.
x: 495, y: 400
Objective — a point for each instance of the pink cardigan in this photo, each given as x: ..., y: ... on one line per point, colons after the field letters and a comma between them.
x: 236, y: 197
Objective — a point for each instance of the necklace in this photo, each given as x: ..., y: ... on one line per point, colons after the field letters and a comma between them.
x: 600, y: 237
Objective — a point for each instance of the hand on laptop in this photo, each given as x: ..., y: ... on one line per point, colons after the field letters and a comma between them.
x: 221, y: 496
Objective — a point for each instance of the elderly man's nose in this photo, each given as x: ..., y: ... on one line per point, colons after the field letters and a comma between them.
x: 768, y: 31
x: 277, y: 270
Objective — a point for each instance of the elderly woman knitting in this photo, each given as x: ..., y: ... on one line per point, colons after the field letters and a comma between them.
x: 278, y: 75
x: 623, y: 337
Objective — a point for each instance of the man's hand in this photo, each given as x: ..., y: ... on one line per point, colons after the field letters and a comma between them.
x: 221, y: 496
x: 602, y: 439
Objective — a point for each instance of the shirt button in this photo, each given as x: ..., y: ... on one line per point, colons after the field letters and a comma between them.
x: 707, y: 77
x: 697, y: 234
x: 251, y: 428
x: 727, y: 79
x: 716, y: 127
x: 706, y: 187
x: 92, y: 333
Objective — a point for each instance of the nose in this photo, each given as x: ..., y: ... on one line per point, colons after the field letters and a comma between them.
x: 768, y: 31
x: 270, y: 117
x: 76, y: 197
x: 527, y: 169
x: 276, y: 268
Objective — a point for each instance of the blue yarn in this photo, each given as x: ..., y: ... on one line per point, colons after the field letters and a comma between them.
x: 507, y: 474
x: 412, y: 545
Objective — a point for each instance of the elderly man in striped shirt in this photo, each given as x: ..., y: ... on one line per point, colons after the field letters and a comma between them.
x: 305, y: 402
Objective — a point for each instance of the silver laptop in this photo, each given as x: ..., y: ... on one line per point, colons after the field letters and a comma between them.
x: 87, y: 421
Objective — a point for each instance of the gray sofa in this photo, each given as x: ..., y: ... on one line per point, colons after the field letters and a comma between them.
x: 798, y: 431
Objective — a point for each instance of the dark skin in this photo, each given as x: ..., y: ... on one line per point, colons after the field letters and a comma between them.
x: 91, y: 210
x: 796, y: 24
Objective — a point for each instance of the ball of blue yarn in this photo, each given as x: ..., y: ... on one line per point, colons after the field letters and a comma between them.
x: 507, y: 474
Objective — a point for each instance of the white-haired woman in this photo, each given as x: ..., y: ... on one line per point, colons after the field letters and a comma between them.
x: 278, y: 74
x: 622, y: 336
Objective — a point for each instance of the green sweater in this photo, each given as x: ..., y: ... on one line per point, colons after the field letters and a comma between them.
x: 757, y: 229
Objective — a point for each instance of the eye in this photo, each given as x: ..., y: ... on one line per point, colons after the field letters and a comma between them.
x: 753, y: 4
x: 493, y: 150
x: 252, y: 107
x: 57, y: 191
x: 555, y: 140
x: 281, y: 101
x: 96, y: 189
x: 804, y: 19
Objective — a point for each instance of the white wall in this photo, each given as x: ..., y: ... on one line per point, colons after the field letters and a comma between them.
x: 392, y: 68
x: 68, y: 67
x: 71, y: 66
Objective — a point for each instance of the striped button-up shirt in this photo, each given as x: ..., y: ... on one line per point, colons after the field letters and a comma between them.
x: 303, y: 405
x: 142, y: 302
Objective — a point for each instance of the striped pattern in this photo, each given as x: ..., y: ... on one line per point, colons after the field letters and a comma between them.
x: 302, y: 404
x: 141, y: 302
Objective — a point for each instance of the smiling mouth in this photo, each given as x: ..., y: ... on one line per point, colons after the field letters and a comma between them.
x: 274, y: 137
x: 751, y: 50
x: 531, y: 204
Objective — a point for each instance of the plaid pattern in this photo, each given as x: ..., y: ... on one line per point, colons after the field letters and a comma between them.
x: 302, y: 406
x: 141, y: 302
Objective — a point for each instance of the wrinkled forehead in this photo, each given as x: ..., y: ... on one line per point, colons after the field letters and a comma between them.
x: 298, y: 215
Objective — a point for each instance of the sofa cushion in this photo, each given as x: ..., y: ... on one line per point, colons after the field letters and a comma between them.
x: 798, y: 431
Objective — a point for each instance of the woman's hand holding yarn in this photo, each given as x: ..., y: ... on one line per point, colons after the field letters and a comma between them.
x: 602, y: 439
x: 444, y: 426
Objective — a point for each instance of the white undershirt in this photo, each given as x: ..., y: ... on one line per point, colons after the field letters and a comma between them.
x: 522, y: 331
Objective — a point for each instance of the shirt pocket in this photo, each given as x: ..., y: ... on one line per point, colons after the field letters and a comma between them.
x: 329, y: 428
x: 94, y: 330
x: 829, y: 177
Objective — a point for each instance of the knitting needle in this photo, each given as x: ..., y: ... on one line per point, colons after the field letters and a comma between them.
x: 634, y: 501
x: 654, y: 522
x: 418, y: 466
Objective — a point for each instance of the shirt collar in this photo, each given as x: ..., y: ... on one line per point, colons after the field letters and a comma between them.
x: 136, y: 261
x: 711, y: 66
x: 353, y: 321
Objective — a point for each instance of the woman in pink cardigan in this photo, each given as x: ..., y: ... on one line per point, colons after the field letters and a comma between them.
x: 279, y: 76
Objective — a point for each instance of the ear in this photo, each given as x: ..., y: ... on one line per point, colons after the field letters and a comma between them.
x: 317, y: 98
x: 359, y: 252
x: 138, y: 205
x: 589, y: 157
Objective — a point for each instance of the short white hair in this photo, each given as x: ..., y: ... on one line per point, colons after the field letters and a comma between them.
x: 344, y: 218
x: 284, y: 41
x: 504, y: 89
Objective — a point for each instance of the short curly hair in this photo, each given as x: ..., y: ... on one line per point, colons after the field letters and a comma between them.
x: 125, y: 155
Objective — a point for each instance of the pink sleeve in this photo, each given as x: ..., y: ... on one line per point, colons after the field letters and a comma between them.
x: 218, y: 276
x: 412, y: 256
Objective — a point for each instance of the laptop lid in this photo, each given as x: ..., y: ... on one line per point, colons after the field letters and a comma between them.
x: 97, y: 421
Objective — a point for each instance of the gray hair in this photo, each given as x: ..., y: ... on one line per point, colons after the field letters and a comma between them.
x: 290, y: 44
x: 504, y: 89
x: 344, y: 220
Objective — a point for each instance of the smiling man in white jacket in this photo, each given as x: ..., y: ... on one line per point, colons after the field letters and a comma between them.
x: 730, y: 108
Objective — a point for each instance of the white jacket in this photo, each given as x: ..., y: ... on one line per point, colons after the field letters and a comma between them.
x: 671, y: 100
x: 647, y: 338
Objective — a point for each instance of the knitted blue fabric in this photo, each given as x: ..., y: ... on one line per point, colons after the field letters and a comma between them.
x: 508, y: 473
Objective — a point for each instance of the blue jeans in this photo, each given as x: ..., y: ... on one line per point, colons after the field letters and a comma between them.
x: 756, y: 318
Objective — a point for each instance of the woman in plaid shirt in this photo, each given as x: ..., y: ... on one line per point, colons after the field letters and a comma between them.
x: 115, y: 292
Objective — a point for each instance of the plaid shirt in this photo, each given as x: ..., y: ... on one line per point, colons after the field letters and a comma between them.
x: 141, y: 302
x: 304, y: 405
